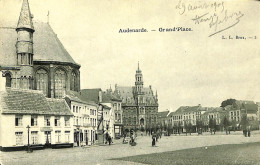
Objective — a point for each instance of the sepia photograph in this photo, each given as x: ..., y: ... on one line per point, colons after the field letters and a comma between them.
x: 159, y: 82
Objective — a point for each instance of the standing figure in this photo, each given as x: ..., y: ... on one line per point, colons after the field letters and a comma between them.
x: 153, y: 139
x: 109, y: 139
x: 106, y: 138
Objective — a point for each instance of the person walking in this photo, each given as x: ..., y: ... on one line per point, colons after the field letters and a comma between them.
x: 109, y: 139
x: 106, y: 137
x: 153, y: 140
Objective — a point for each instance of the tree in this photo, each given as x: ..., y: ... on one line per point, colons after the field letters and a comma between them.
x: 165, y: 127
x: 211, y: 124
x: 174, y: 128
x: 227, y: 102
x: 234, y: 125
x: 225, y: 123
x: 215, y: 125
x: 244, y: 122
x: 190, y: 127
x: 199, y: 125
x: 186, y: 126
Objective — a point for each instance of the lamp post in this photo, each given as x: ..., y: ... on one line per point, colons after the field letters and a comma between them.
x: 28, y: 147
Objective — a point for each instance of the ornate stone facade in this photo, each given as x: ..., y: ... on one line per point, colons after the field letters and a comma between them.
x: 139, y: 104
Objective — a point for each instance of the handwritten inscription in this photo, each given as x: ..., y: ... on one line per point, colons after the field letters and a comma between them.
x: 215, y: 14
x: 183, y: 7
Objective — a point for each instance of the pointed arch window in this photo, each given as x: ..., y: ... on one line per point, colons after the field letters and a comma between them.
x: 8, y: 80
x: 24, y: 83
x: 60, y: 83
x: 42, y: 81
x: 73, y: 81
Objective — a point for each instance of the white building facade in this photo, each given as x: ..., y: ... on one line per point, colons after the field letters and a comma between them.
x: 49, y: 125
x: 84, y: 121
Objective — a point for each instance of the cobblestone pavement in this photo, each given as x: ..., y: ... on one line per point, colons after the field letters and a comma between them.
x: 101, y: 154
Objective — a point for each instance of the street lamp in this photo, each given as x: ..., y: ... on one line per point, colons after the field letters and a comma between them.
x: 28, y: 147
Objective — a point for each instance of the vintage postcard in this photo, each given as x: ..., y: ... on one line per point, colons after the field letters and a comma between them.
x: 129, y: 82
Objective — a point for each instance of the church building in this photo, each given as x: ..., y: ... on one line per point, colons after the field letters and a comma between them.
x: 139, y: 104
x: 32, y: 57
x: 37, y: 74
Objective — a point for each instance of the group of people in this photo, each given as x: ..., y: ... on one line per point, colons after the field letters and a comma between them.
x: 247, y: 133
x: 155, y: 137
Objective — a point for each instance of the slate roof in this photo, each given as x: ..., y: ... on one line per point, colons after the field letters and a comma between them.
x: 47, y: 47
x: 162, y: 114
x: 90, y: 95
x: 106, y: 107
x: 59, y: 106
x: 171, y: 114
x: 189, y: 109
x: 17, y: 101
x: 127, y: 95
x: 251, y: 108
x: 109, y: 97
x: 25, y: 19
x: 214, y: 110
x: 75, y: 96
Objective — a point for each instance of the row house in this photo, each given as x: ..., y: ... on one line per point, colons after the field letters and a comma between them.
x: 109, y: 111
x: 107, y: 121
x: 46, y: 122
x: 216, y: 114
x: 162, y: 118
x: 185, y: 115
x: 242, y: 108
x: 116, y: 114
x: 233, y: 113
x: 84, y: 120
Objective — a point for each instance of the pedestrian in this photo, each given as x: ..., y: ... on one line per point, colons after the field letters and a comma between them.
x: 249, y: 133
x: 153, y: 139
x: 106, y: 138
x: 109, y: 139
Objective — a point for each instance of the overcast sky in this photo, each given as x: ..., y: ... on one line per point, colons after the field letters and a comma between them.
x: 186, y: 68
